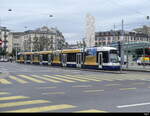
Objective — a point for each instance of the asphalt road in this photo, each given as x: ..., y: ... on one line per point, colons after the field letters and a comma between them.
x: 34, y: 88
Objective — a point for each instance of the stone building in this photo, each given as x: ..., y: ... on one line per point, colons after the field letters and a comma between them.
x: 39, y: 39
x: 43, y: 39
x: 109, y: 37
x: 6, y: 38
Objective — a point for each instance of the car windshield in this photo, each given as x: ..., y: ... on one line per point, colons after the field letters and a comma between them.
x: 114, y: 57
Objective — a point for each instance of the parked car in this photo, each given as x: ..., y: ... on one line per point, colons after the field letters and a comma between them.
x: 4, y: 60
x: 139, y: 61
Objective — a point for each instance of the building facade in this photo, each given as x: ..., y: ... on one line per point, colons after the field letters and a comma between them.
x: 7, y: 40
x: 39, y: 40
x: 109, y: 37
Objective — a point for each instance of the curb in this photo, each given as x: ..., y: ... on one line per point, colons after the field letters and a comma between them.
x: 136, y: 70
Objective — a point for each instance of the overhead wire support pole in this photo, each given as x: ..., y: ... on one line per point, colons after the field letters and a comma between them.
x: 121, y: 45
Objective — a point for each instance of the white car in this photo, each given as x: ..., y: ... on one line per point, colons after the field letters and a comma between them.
x: 3, y: 60
x: 6, y: 60
x: 139, y: 61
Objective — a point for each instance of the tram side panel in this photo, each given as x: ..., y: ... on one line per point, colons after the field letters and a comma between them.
x: 36, y: 59
x: 56, y: 59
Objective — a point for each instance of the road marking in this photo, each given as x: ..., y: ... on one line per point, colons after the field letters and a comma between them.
x: 111, y: 84
x: 53, y: 93
x: 20, y: 103
x: 92, y: 78
x: 91, y: 110
x: 82, y: 86
x: 4, y: 81
x: 88, y: 91
x: 18, y: 80
x: 65, y: 80
x: 46, y: 87
x: 133, y: 105
x: 127, y: 89
x: 13, y: 97
x: 86, y: 78
x: 4, y: 93
x: 101, y: 78
x: 44, y: 108
x: 138, y: 83
x: 71, y: 78
x: 47, y: 79
x: 31, y: 78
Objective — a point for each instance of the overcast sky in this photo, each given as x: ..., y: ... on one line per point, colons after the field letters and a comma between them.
x: 69, y: 16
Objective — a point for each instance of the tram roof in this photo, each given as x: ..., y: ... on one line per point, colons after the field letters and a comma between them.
x: 102, y: 48
x: 71, y: 50
x: 45, y: 52
x: 26, y: 53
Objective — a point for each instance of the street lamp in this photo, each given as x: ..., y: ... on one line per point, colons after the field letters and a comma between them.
x: 50, y: 15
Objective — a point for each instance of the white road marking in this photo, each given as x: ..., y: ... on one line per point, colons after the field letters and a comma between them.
x: 133, y: 105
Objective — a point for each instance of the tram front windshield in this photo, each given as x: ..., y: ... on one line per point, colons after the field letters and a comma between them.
x: 114, y: 56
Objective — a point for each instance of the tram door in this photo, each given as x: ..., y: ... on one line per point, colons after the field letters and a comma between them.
x: 64, y: 60
x: 41, y: 59
x: 78, y: 60
x: 100, y: 60
x: 49, y: 59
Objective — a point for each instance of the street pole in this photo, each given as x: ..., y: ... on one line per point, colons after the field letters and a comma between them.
x: 121, y: 44
x: 127, y: 52
x: 16, y: 52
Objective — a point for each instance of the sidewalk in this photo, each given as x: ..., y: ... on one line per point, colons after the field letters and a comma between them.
x: 136, y: 67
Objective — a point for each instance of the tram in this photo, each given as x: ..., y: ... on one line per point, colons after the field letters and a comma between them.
x: 20, y: 58
x: 72, y: 58
x: 28, y: 57
x: 105, y: 58
x: 45, y: 57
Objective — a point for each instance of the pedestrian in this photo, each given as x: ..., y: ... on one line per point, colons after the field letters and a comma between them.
x: 10, y: 58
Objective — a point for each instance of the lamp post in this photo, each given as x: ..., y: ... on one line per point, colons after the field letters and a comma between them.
x: 121, y: 46
x: 52, y: 42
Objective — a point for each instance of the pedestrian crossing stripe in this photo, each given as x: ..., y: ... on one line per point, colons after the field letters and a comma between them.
x: 91, y: 111
x: 13, y: 98
x: 4, y: 81
x: 20, y: 103
x: 47, y: 79
x: 44, y: 108
x: 31, y: 78
x: 82, y: 77
x: 53, y: 93
x: 76, y: 79
x: 82, y: 86
x: 89, y: 91
x: 4, y: 93
x: 18, y: 80
x: 99, y: 78
x: 65, y: 80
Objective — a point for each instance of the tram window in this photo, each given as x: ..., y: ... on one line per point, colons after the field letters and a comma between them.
x: 28, y: 57
x: 18, y: 56
x: 45, y: 57
x: 105, y: 57
x: 71, y: 57
x: 113, y: 52
x: 36, y: 56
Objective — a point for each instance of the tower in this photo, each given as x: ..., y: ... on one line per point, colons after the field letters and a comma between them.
x: 90, y: 31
